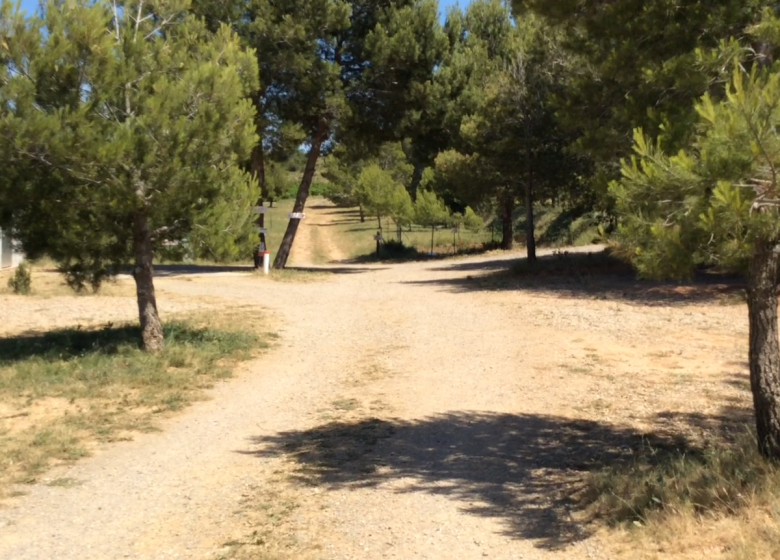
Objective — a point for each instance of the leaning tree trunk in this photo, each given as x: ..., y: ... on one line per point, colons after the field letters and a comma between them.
x: 764, y: 349
x: 507, y: 230
x: 530, y: 233
x: 414, y: 185
x: 143, y: 273
x: 303, y: 194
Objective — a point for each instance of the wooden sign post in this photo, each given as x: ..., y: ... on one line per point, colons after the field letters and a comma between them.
x: 261, y: 229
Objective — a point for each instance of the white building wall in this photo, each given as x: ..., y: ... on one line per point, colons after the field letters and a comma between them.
x: 8, y: 257
x: 16, y: 259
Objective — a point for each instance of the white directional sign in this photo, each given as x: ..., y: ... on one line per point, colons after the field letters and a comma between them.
x: 261, y: 210
x: 297, y: 215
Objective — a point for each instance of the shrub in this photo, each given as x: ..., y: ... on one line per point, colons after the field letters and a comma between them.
x: 21, y: 282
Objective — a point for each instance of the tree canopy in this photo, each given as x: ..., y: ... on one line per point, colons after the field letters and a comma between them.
x: 120, y: 129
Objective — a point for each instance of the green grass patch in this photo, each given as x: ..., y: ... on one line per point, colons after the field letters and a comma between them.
x: 356, y: 240
x: 76, y: 364
x: 554, y: 227
x: 64, y: 390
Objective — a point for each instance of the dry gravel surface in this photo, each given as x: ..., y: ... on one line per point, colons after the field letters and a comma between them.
x: 409, y: 411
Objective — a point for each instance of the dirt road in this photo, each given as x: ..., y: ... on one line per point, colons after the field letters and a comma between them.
x: 409, y: 411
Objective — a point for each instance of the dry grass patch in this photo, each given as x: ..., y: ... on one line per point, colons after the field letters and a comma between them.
x: 274, y: 510
x: 721, y: 500
x: 48, y: 283
x: 292, y: 275
x: 64, y: 391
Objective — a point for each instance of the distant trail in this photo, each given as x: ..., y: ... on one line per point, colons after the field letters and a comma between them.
x: 315, y: 243
x: 408, y: 412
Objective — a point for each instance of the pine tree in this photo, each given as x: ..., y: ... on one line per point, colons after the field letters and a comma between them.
x: 337, y: 69
x: 343, y: 176
x: 718, y: 203
x: 430, y: 211
x: 510, y: 145
x: 119, y: 124
x: 382, y: 196
x: 643, y: 63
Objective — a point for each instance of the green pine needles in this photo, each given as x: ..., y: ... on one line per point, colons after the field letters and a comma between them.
x: 122, y: 129
x: 718, y: 203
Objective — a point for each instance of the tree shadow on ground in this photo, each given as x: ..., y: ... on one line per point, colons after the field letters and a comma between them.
x: 72, y: 343
x: 327, y: 269
x: 171, y: 270
x: 591, y: 275
x: 65, y: 344
x: 524, y: 469
x: 335, y: 209
x: 174, y: 270
x: 336, y: 223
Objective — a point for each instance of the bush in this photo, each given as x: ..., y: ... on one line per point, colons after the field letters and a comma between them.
x: 320, y: 189
x: 395, y: 249
x: 317, y: 189
x: 21, y: 282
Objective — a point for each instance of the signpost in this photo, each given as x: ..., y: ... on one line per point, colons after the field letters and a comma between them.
x: 261, y: 253
x: 379, y: 240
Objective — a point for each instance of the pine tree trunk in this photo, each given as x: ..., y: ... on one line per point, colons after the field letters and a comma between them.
x: 764, y: 349
x: 417, y: 176
x: 530, y: 233
x: 507, y: 230
x: 303, y: 194
x: 143, y: 273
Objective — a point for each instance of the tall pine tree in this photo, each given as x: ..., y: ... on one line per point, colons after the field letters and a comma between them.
x: 338, y: 69
x: 119, y: 124
x: 718, y: 202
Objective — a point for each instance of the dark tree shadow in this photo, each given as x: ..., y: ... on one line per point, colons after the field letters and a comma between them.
x: 71, y: 343
x: 65, y: 344
x: 336, y: 223
x: 523, y: 469
x: 171, y: 270
x: 335, y: 269
x: 174, y: 270
x: 336, y: 210
x: 593, y: 275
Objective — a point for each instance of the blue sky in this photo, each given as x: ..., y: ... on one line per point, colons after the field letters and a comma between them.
x: 444, y: 4
x: 30, y: 5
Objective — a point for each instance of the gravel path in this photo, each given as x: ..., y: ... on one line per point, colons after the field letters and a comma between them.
x: 404, y: 414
